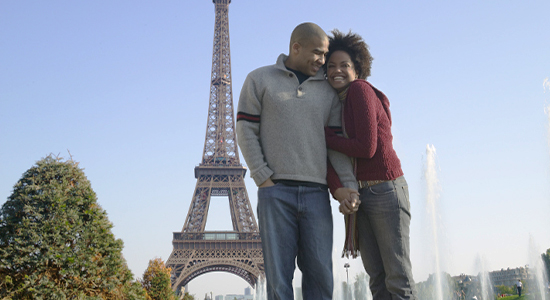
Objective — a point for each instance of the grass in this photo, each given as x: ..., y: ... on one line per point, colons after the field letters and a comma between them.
x: 515, y: 297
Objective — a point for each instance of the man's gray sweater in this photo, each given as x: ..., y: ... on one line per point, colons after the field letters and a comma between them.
x: 280, y: 126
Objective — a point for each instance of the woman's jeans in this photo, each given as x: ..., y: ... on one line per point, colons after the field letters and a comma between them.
x: 296, y: 225
x: 383, y: 221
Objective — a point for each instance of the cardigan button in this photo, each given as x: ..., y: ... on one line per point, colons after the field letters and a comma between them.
x: 290, y: 75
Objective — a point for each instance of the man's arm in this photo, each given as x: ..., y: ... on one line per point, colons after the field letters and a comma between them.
x: 248, y: 132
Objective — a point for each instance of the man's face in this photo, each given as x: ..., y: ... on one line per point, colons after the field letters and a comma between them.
x: 311, y: 56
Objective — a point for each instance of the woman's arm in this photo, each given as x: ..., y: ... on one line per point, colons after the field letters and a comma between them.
x: 363, y: 105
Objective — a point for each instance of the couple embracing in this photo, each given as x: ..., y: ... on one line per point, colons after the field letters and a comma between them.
x: 312, y: 104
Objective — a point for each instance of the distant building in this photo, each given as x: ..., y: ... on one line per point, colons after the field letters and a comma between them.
x: 247, y: 291
x: 219, y: 297
x: 509, y: 277
x: 239, y: 297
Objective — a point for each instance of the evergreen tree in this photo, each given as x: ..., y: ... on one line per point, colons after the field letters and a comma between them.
x: 156, y: 281
x: 56, y: 241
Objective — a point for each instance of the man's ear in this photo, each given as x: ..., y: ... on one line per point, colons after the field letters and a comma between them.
x: 296, y: 48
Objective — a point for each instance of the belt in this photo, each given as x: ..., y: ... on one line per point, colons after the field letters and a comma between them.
x: 366, y: 183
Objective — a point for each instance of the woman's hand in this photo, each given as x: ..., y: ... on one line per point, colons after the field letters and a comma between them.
x: 349, y: 200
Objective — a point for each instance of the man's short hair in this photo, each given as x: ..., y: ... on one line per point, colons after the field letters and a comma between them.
x: 305, y: 32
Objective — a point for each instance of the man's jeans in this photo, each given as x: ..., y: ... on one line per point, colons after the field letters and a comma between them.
x: 296, y: 222
x: 383, y: 221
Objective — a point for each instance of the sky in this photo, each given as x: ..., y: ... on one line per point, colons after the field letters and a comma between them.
x: 123, y: 87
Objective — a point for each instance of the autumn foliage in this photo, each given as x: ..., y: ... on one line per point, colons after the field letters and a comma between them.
x: 156, y: 281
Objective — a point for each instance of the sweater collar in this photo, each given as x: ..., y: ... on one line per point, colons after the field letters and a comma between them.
x: 281, y: 65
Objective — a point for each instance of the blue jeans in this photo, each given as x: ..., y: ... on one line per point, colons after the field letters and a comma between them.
x: 296, y: 225
x: 383, y: 221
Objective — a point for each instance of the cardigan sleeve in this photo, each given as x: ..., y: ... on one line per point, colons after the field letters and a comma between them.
x: 362, y: 106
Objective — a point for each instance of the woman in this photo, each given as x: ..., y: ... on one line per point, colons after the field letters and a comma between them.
x: 383, y: 216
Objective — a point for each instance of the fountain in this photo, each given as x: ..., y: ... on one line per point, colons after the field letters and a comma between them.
x: 537, y: 277
x: 362, y: 290
x: 484, y: 280
x: 432, y: 197
x: 260, y: 289
x: 352, y: 287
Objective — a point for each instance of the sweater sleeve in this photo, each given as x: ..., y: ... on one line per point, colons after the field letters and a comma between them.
x: 332, y: 179
x: 248, y: 131
x: 340, y: 163
x: 365, y: 121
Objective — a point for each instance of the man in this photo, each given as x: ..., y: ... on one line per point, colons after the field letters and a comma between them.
x: 282, y: 112
x: 519, y: 285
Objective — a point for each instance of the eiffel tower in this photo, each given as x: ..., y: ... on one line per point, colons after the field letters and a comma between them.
x: 220, y: 173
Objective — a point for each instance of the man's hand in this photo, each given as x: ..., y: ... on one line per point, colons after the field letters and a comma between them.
x: 267, y: 183
x: 349, y: 200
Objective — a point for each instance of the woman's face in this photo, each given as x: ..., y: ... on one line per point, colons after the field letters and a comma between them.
x: 340, y: 70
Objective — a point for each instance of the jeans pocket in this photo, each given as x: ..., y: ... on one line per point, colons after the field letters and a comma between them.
x: 267, y: 187
x: 266, y: 191
x: 382, y: 188
x: 322, y: 188
x: 404, y: 202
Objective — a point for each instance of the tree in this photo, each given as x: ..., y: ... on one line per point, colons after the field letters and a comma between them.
x: 187, y: 296
x: 504, y: 289
x: 156, y: 281
x: 546, y: 260
x: 56, y: 241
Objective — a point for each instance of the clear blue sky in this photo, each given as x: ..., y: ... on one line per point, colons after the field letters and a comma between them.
x: 124, y: 86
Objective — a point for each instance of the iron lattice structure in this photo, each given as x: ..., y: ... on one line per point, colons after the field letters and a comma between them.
x: 220, y: 173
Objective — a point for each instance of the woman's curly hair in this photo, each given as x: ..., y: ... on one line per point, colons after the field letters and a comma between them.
x: 355, y: 47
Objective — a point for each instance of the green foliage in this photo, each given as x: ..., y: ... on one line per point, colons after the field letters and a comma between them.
x: 56, y: 241
x: 546, y: 260
x: 515, y: 297
x: 504, y: 289
x: 156, y: 281
x: 187, y: 296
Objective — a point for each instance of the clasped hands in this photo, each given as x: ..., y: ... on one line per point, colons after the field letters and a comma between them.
x: 349, y: 200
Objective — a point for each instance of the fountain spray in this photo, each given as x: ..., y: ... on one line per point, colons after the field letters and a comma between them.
x: 432, y: 195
